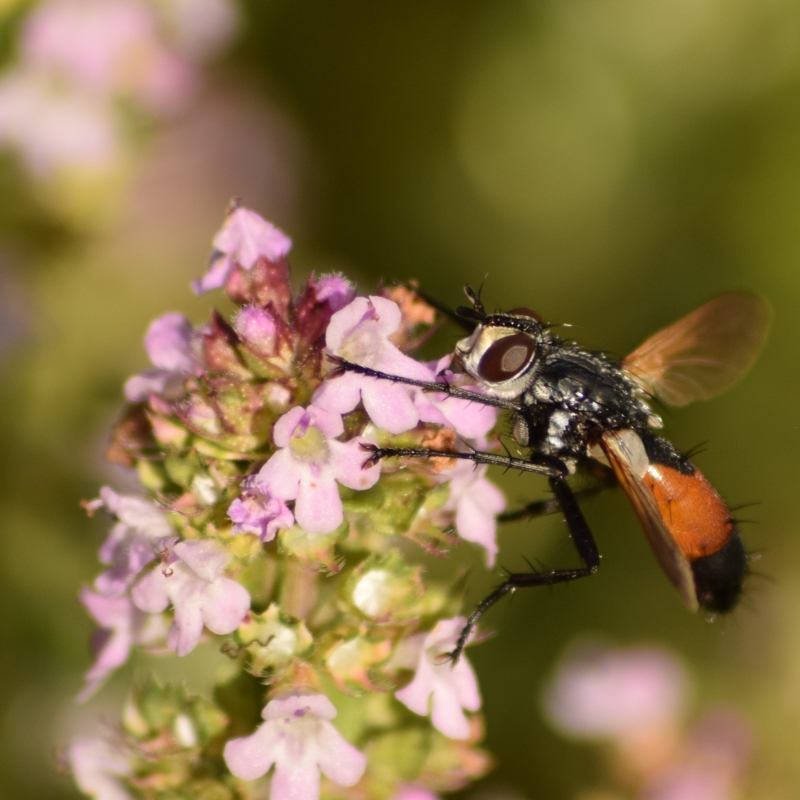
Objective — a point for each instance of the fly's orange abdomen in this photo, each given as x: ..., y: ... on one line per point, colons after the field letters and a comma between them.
x: 695, y: 515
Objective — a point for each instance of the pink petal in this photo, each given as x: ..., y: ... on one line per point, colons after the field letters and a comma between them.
x: 250, y: 757
x: 446, y: 713
x: 152, y: 381
x: 340, y: 393
x: 216, y: 277
x: 466, y: 685
x: 280, y: 476
x: 246, y: 237
x: 416, y: 695
x: 150, y: 593
x: 284, y: 428
x: 348, y: 464
x: 168, y: 343
x: 344, y: 321
x: 337, y: 758
x: 297, y: 780
x: 387, y: 315
x: 225, y: 604
x: 318, y: 508
x: 187, y: 627
x: 329, y: 422
x: 474, y: 524
x: 389, y: 405
x: 468, y: 418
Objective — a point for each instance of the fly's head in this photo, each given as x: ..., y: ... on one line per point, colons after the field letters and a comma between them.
x: 504, y: 350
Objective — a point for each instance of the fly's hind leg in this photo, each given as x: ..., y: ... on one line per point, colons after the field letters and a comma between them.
x: 584, y: 544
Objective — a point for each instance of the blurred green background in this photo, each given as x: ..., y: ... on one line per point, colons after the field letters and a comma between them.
x: 611, y: 165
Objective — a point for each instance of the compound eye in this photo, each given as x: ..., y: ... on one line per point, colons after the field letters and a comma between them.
x: 506, y: 357
x: 521, y: 311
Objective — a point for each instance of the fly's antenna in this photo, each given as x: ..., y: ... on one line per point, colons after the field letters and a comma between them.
x: 477, y: 312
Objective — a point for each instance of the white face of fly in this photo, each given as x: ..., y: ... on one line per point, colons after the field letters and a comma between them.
x: 502, y: 359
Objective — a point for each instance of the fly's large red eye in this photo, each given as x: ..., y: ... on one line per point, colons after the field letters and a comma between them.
x: 506, y: 357
x: 521, y: 311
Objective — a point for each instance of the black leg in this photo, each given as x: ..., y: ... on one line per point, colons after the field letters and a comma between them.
x: 343, y: 365
x: 543, y: 465
x: 584, y: 544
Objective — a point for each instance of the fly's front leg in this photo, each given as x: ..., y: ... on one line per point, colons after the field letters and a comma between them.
x: 550, y: 467
x: 342, y: 365
x: 584, y: 544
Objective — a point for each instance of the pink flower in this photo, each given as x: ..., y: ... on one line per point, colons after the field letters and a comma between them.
x: 168, y: 343
x: 191, y: 579
x: 259, y: 513
x: 310, y: 463
x: 122, y: 625
x: 299, y: 739
x: 469, y: 419
x: 53, y: 129
x: 129, y: 546
x: 98, y: 764
x: 410, y: 792
x: 448, y: 689
x: 105, y: 48
x: 360, y: 333
x: 475, y: 501
x: 243, y: 239
x: 602, y: 692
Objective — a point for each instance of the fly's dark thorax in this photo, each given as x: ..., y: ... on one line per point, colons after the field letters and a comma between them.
x: 576, y: 396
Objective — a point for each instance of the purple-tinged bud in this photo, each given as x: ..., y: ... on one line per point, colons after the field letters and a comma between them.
x: 317, y: 304
x: 258, y: 328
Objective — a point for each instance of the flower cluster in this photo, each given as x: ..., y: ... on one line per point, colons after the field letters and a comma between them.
x: 83, y: 66
x: 264, y: 528
x: 635, y: 699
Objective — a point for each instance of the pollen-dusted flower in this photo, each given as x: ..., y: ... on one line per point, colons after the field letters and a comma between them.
x: 129, y: 547
x: 191, y: 579
x: 603, y: 692
x: 245, y: 237
x: 440, y: 688
x: 168, y: 343
x: 475, y: 501
x: 299, y: 739
x: 360, y: 332
x: 121, y: 626
x: 258, y: 512
x: 309, y: 464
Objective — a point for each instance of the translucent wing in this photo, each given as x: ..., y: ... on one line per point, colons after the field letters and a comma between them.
x: 625, y: 452
x: 705, y: 352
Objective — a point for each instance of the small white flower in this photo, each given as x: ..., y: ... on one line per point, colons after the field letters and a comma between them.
x: 452, y: 688
x: 299, y: 739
